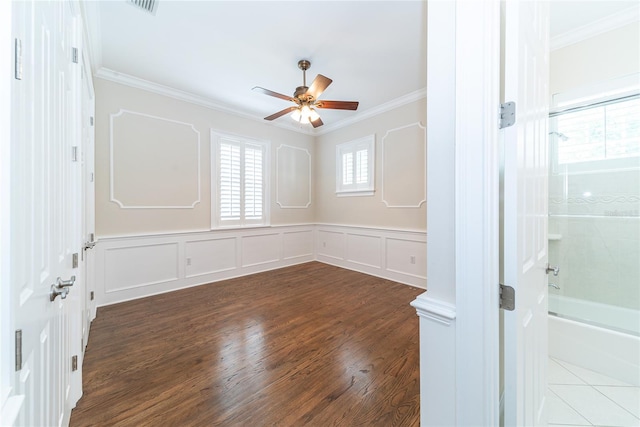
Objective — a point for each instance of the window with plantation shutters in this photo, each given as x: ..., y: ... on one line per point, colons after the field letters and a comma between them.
x: 239, y: 183
x: 354, y: 167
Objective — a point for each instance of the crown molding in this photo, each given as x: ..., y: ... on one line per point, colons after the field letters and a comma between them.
x: 382, y: 108
x: 138, y: 83
x: 609, y: 23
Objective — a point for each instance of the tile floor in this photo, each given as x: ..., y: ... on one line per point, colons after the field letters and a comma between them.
x: 580, y: 397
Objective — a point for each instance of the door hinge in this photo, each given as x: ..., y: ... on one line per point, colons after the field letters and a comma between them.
x: 74, y: 363
x: 92, y: 295
x: 18, y: 59
x: 91, y: 120
x: 74, y: 55
x: 74, y: 153
x: 507, y: 114
x: 507, y: 297
x: 74, y: 260
x: 18, y: 349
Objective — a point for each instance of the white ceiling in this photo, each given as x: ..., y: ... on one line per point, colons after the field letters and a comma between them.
x: 375, y: 51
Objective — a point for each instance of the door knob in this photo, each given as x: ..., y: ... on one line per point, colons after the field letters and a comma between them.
x: 56, y: 290
x: 89, y: 245
x: 66, y: 283
x: 552, y: 269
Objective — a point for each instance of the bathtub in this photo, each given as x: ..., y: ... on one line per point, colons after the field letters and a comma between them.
x: 605, y: 350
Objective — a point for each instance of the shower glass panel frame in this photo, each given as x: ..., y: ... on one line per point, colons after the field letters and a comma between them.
x: 594, y: 205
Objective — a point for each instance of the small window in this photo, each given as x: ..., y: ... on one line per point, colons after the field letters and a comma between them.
x: 239, y: 181
x: 598, y: 133
x: 354, y: 167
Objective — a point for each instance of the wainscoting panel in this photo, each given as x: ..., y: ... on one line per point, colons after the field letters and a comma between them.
x: 132, y: 267
x: 398, y: 255
x: 406, y: 257
x: 210, y: 256
x: 136, y: 266
x: 261, y: 249
x: 331, y: 244
x: 364, y: 250
x: 297, y: 244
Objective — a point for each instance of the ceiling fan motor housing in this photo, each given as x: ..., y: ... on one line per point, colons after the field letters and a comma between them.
x: 300, y: 93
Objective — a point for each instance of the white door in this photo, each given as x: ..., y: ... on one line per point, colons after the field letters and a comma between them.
x: 44, y: 210
x: 88, y: 195
x: 525, y: 211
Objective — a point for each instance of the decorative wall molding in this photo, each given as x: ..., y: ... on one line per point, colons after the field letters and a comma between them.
x: 423, y: 181
x: 281, y: 165
x: 433, y: 309
x: 148, y: 268
x: 609, y: 23
x: 397, y: 255
x: 112, y: 175
x: 131, y: 267
x: 138, y: 83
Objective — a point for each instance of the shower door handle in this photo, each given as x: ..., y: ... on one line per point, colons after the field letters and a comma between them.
x: 552, y: 269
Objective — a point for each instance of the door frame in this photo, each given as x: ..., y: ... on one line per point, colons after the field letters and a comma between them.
x: 459, y: 314
x: 6, y: 297
x: 477, y: 160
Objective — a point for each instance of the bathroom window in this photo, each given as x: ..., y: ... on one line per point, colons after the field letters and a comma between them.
x: 355, y: 167
x: 240, y: 179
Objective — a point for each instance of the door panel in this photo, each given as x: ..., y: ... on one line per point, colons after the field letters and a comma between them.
x: 44, y: 204
x: 525, y: 211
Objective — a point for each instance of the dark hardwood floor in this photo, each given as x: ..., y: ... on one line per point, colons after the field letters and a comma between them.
x: 308, y: 345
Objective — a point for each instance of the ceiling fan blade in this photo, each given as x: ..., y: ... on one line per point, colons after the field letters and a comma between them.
x: 280, y: 113
x: 272, y: 93
x: 338, y: 105
x: 319, y: 84
x: 316, y: 123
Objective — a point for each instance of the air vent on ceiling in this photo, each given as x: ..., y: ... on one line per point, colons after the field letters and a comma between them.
x: 146, y: 5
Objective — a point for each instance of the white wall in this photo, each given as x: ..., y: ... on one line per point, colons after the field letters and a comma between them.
x: 597, y: 59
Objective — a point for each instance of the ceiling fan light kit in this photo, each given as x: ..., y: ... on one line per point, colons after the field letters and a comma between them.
x: 306, y: 98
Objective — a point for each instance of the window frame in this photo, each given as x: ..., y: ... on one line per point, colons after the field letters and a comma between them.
x: 217, y: 138
x: 353, y: 147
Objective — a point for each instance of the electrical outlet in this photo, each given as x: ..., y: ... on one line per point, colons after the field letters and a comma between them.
x: 188, y: 261
x: 412, y: 259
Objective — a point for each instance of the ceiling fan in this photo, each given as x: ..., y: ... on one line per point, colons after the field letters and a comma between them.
x: 306, y: 99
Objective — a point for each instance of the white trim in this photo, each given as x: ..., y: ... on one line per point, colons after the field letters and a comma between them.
x: 111, y: 162
x: 372, y: 112
x: 433, y: 309
x: 424, y: 199
x: 282, y: 205
x: 476, y: 172
x: 203, y: 266
x: 9, y: 404
x: 90, y: 11
x: 265, y: 144
x: 353, y: 146
x: 608, y: 23
x: 355, y: 193
x: 138, y: 83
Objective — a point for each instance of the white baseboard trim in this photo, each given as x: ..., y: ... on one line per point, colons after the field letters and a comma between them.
x: 132, y: 267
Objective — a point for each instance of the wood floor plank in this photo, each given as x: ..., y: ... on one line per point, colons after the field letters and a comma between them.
x: 309, y: 345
